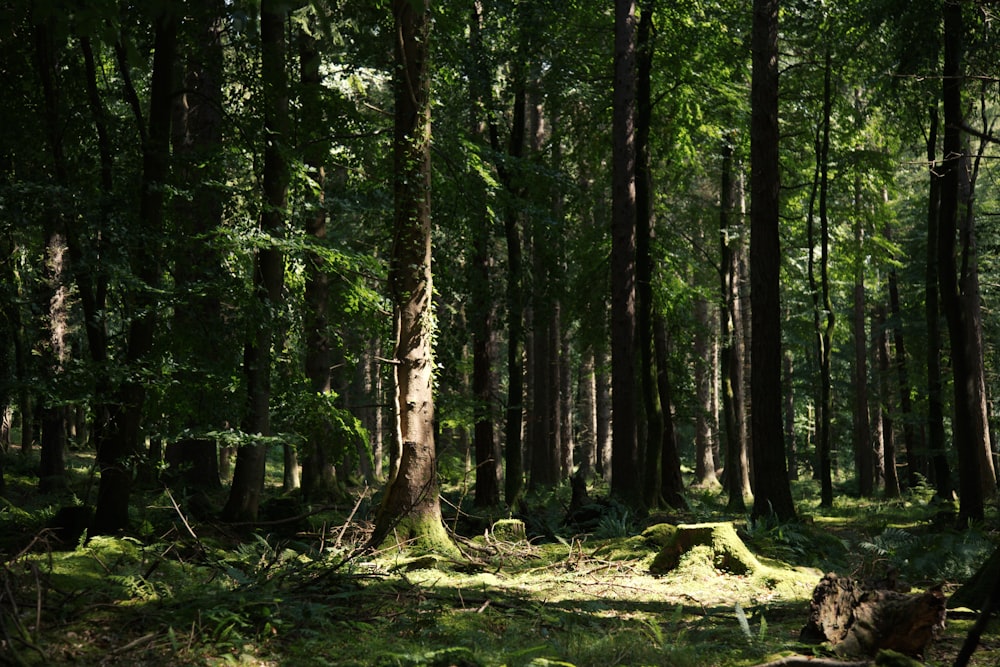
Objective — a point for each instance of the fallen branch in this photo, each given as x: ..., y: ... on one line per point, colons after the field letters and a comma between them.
x: 808, y: 661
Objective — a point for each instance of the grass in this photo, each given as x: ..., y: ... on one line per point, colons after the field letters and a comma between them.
x: 209, y: 596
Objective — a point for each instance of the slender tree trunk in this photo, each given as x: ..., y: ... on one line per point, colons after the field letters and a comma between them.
x: 671, y: 483
x: 902, y: 376
x: 772, y: 493
x: 248, y: 475
x: 587, y: 436
x: 791, y: 448
x: 411, y: 507
x: 602, y: 388
x: 481, y: 307
x: 319, y: 480
x: 644, y: 224
x: 704, y: 371
x: 935, y: 403
x: 625, y: 461
x: 971, y: 507
x: 121, y: 441
x: 736, y: 476
x: 861, y: 424
x: 885, y: 405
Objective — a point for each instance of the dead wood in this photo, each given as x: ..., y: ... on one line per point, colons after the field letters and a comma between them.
x: 859, y: 618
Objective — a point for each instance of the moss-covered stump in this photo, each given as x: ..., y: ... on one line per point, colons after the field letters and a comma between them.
x: 729, y: 554
x: 509, y: 530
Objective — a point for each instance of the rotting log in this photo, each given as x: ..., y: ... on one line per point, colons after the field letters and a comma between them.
x: 859, y: 618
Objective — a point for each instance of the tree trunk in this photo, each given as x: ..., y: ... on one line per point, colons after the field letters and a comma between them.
x: 199, y: 334
x: 736, y: 476
x: 860, y: 420
x: 587, y: 436
x: 625, y: 462
x: 704, y: 371
x: 902, y: 376
x: 671, y: 483
x: 968, y: 442
x: 772, y: 493
x: 602, y: 389
x: 121, y: 441
x: 935, y: 403
x: 53, y: 347
x: 791, y: 448
x: 248, y: 475
x: 824, y: 331
x: 885, y: 402
x: 644, y: 223
x: 319, y: 479
x: 411, y: 507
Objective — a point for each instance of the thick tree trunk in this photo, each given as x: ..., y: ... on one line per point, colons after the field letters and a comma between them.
x: 248, y: 475
x: 411, y: 508
x: 625, y: 483
x: 772, y: 493
x: 824, y: 312
x: 53, y: 348
x: 199, y: 334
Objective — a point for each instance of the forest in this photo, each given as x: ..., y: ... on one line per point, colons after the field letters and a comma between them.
x: 499, y: 332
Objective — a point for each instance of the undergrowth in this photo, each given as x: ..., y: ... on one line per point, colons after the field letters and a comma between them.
x: 564, y: 588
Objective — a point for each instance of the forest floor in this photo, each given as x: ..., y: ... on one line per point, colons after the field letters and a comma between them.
x: 184, y: 589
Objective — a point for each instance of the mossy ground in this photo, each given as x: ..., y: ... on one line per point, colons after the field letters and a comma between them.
x: 165, y: 596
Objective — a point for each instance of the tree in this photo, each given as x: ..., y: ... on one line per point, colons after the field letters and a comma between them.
x: 411, y: 506
x: 119, y: 446
x: 772, y: 493
x: 268, y: 273
x: 966, y: 425
x: 736, y: 478
x: 624, y: 452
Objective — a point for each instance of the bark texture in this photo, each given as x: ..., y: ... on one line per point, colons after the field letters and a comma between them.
x: 860, y: 618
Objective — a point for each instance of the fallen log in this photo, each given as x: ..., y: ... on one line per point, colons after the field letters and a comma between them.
x: 858, y: 618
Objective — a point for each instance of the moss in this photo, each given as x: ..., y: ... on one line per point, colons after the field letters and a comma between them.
x: 660, y: 535
x: 729, y: 554
x: 509, y: 530
x: 422, y: 534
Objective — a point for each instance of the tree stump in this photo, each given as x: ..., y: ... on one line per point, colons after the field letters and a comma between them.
x: 860, y: 618
x: 729, y: 554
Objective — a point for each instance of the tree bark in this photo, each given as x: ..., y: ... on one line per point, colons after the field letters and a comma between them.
x: 199, y: 335
x: 935, y: 403
x: 481, y: 309
x: 248, y: 475
x: 625, y: 483
x: 772, y: 493
x: 968, y: 443
x: 885, y: 403
x: 411, y: 507
x: 120, y: 443
x: 860, y: 421
x: 671, y: 483
x: 736, y: 475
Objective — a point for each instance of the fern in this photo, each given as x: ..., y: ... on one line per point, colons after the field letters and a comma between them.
x: 741, y: 617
